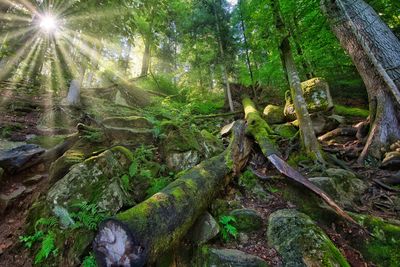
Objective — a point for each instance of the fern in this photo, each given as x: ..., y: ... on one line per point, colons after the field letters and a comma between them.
x: 49, y: 222
x: 227, y: 229
x: 133, y: 168
x: 47, y: 247
x: 87, y: 216
x: 157, y: 185
x: 89, y: 261
x: 29, y: 240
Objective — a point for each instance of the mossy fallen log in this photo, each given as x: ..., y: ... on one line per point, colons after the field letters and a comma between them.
x: 144, y: 232
x: 260, y: 130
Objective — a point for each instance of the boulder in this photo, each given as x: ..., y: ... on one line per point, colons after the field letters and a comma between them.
x: 14, y: 159
x: 247, y: 220
x: 183, y: 160
x: 204, y: 229
x: 274, y: 114
x: 317, y: 96
x: 301, y: 242
x: 96, y: 180
x: 206, y: 257
x: 132, y: 122
x: 210, y: 144
x: 323, y: 123
x: 133, y: 136
x: 33, y: 180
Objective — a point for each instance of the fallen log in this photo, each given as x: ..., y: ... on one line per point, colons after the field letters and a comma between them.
x: 259, y: 129
x: 144, y: 232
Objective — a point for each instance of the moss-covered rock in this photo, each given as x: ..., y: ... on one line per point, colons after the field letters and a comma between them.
x: 133, y: 122
x: 301, y: 242
x: 80, y: 151
x: 96, y: 180
x: 207, y: 256
x: 204, y: 229
x: 211, y: 145
x: 286, y: 130
x: 132, y: 135
x: 274, y: 114
x: 342, y: 185
x: 247, y: 220
x: 383, y: 247
x: 47, y: 141
x: 317, y: 95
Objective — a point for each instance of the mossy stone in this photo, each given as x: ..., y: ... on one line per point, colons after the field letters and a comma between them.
x: 301, y: 242
x: 286, y: 130
x: 383, y: 247
x: 47, y: 141
x: 247, y: 220
x: 317, y: 95
x: 274, y: 114
x: 207, y: 256
x: 132, y: 122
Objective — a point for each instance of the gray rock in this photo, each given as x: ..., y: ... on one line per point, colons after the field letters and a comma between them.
x: 340, y: 173
x: 247, y: 220
x: 128, y: 122
x: 183, y: 160
x: 301, y: 242
x: 204, y: 229
x: 206, y: 257
x: 134, y: 136
x: 14, y: 159
x: 97, y: 180
x: 7, y: 199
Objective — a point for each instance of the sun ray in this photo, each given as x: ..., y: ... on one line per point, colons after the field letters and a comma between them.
x: 14, y: 17
x: 12, y: 62
x: 25, y: 64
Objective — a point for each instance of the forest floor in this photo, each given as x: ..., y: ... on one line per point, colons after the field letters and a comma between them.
x: 19, y: 118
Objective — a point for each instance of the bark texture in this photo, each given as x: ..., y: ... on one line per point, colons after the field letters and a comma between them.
x: 375, y: 51
x: 144, y: 232
x: 309, y: 139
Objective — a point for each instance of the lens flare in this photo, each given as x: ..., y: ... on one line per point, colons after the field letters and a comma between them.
x: 48, y: 23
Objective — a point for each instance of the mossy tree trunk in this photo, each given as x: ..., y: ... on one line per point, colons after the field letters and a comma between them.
x: 144, y: 232
x: 309, y: 140
x: 260, y: 130
x: 374, y: 50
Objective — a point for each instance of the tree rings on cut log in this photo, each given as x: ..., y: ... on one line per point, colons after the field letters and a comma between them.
x: 116, y: 246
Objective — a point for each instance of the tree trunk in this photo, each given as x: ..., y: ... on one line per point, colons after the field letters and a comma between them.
x: 375, y: 51
x: 146, y: 56
x: 228, y: 93
x: 144, y: 232
x: 309, y: 140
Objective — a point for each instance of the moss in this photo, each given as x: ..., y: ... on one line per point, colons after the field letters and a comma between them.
x: 301, y: 242
x: 383, y: 247
x: 296, y: 158
x: 125, y: 151
x: 351, y: 112
x: 286, y: 130
x: 47, y: 141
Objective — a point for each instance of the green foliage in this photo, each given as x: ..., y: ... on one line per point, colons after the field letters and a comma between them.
x: 47, y: 247
x: 86, y: 216
x: 156, y: 185
x: 248, y: 179
x: 93, y: 135
x: 133, y: 168
x: 351, y: 112
x: 89, y: 261
x: 227, y: 228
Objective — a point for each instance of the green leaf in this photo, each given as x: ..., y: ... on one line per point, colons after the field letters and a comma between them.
x: 133, y: 169
x: 46, y: 248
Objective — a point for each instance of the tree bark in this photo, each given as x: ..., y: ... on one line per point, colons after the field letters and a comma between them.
x: 228, y: 92
x: 144, y: 232
x: 374, y: 50
x: 309, y: 140
x: 146, y: 56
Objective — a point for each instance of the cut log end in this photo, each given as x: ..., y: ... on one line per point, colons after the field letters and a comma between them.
x: 115, y: 245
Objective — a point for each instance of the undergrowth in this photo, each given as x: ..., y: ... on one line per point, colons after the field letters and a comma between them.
x: 227, y: 228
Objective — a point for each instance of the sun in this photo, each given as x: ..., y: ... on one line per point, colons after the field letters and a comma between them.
x: 48, y: 23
